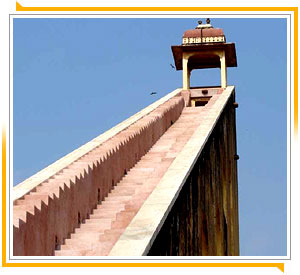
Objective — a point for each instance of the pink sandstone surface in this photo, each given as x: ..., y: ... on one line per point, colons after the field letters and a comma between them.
x: 84, y: 208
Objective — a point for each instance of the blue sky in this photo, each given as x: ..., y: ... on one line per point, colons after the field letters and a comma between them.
x: 74, y: 79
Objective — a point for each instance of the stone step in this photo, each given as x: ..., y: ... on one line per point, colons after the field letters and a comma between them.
x: 103, y: 208
x: 87, y: 236
x: 110, y: 218
x: 95, y: 228
x: 70, y: 252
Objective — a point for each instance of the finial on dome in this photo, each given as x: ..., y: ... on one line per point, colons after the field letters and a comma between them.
x: 204, y: 26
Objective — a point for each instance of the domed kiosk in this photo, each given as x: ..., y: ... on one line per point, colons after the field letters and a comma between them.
x: 201, y: 48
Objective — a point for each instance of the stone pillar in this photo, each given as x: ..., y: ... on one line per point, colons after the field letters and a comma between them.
x: 185, y: 72
x: 223, y: 69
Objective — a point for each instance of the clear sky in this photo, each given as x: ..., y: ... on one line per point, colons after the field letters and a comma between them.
x: 73, y: 79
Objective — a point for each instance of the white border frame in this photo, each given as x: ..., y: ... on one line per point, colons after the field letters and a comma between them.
x: 187, y: 14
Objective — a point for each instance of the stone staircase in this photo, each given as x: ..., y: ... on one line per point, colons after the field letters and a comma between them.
x: 84, y: 208
x: 51, y: 204
x: 98, y: 233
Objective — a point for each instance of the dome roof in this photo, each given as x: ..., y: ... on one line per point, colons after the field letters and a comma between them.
x: 205, y: 33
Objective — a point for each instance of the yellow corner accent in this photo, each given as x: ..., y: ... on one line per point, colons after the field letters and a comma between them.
x: 3, y: 195
x: 19, y: 7
x: 276, y: 265
x: 280, y: 266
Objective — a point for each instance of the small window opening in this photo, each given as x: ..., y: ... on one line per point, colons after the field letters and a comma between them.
x: 57, y: 245
x: 200, y: 103
x: 99, y: 196
x: 125, y: 172
x: 79, y: 218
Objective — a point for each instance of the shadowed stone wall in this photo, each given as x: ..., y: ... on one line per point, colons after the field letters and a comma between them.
x: 204, y: 218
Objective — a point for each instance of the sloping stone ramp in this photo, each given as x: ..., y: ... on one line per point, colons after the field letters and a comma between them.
x: 98, y: 234
x: 83, y: 209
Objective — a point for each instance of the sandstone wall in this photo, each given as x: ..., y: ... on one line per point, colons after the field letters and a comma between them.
x: 52, y: 210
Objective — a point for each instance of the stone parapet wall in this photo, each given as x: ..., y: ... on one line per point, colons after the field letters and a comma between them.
x: 169, y: 223
x: 27, y: 185
x: 49, y: 207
